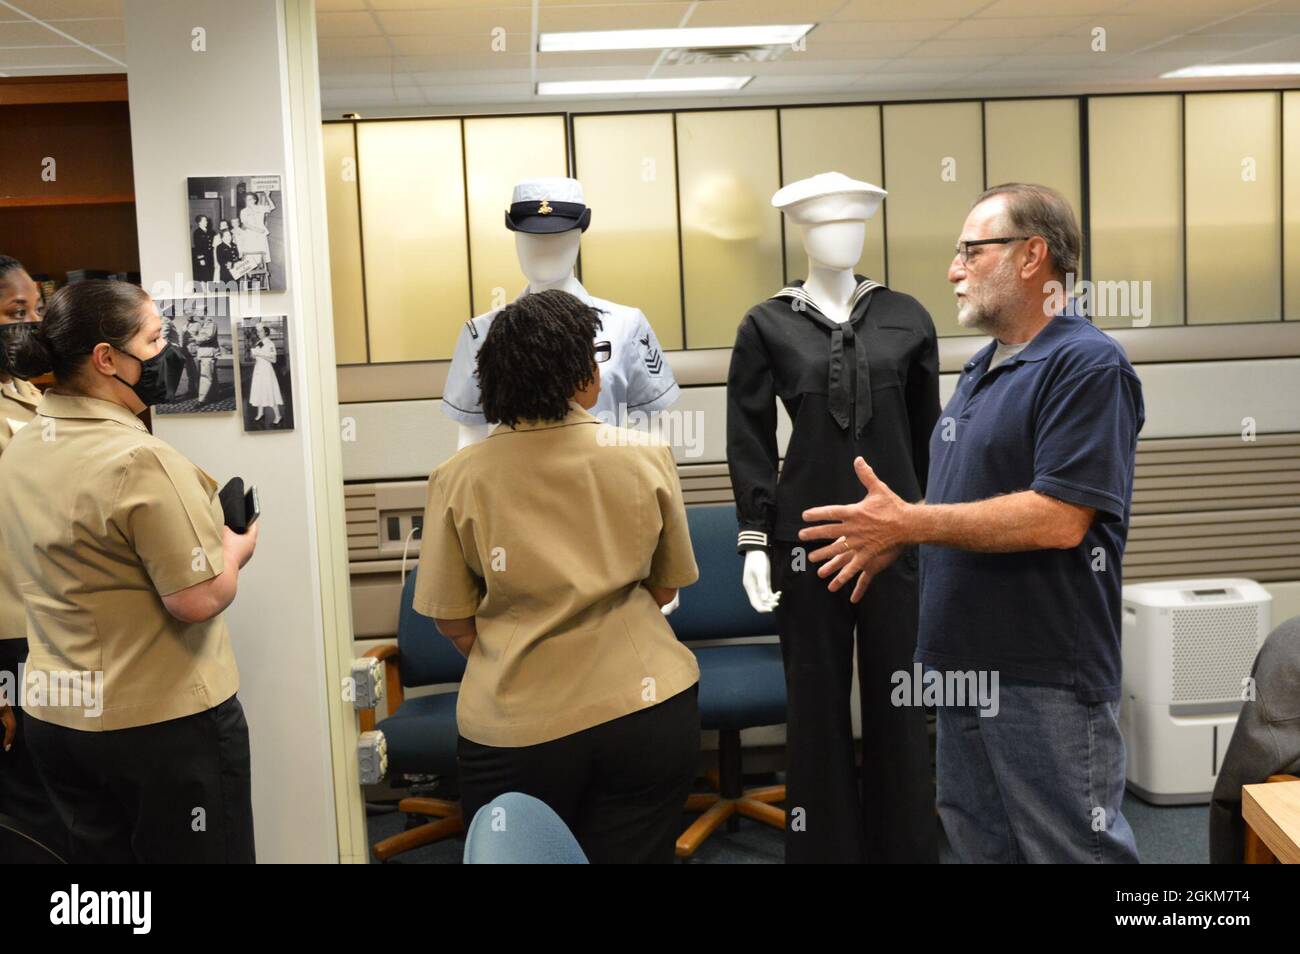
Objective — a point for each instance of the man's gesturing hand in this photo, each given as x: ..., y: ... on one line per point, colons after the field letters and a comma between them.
x: 867, y: 536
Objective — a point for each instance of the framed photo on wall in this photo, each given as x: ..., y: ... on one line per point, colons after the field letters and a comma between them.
x: 200, y: 329
x: 236, y: 228
x: 264, y: 374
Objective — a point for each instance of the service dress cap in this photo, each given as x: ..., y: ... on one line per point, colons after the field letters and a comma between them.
x: 546, y: 205
x: 828, y: 197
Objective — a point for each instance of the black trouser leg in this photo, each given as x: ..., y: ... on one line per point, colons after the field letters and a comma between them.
x: 898, y: 817
x: 823, y: 809
x: 620, y: 786
x: 23, y: 795
x: 172, y: 792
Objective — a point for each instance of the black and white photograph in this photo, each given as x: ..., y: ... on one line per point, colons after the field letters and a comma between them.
x: 236, y: 228
x: 264, y: 374
x: 199, y: 329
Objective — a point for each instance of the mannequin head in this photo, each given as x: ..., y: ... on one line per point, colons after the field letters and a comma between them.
x: 832, y: 210
x: 547, y: 258
x: 834, y: 245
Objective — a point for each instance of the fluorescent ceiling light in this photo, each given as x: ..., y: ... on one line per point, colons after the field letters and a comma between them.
x: 1234, y: 69
x: 772, y: 35
x: 693, y: 84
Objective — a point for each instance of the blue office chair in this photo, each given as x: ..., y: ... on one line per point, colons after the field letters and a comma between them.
x: 518, y: 829
x: 421, y: 732
x: 740, y: 686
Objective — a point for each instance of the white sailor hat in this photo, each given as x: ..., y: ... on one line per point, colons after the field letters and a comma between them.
x: 828, y: 197
x: 548, y: 204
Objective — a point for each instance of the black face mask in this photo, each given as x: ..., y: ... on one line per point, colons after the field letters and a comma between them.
x: 158, y: 376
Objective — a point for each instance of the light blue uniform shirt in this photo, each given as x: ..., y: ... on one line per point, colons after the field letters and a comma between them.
x: 635, y: 379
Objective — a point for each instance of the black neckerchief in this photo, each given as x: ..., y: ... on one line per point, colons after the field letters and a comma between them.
x: 839, y: 386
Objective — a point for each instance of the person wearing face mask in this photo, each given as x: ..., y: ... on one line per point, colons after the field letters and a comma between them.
x: 23, y: 797
x: 116, y: 543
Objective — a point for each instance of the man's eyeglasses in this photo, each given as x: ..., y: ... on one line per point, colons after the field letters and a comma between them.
x: 962, y: 249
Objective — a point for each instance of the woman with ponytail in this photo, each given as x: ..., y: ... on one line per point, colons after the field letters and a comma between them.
x: 117, y: 546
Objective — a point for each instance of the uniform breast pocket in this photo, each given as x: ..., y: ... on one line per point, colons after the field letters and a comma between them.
x: 60, y: 636
x: 885, y: 377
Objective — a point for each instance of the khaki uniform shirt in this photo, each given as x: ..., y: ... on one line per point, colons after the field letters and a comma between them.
x: 18, y: 400
x: 101, y: 520
x: 545, y: 533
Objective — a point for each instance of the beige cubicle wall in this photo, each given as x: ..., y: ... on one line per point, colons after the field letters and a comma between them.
x: 1234, y: 218
x: 627, y: 163
x: 683, y: 227
x: 1291, y: 205
x: 847, y: 139
x: 1135, y: 168
x: 728, y: 168
x: 1035, y: 140
x: 934, y: 167
x: 500, y: 151
x: 339, y: 145
x: 413, y: 237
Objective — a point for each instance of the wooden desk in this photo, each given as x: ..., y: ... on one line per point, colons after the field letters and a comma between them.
x: 1272, y: 812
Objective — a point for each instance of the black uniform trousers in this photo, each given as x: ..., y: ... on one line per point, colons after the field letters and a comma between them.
x: 620, y: 786
x: 24, y: 798
x: 173, y: 792
x: 835, y: 813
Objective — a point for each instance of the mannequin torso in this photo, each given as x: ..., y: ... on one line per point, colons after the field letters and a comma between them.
x: 833, y: 249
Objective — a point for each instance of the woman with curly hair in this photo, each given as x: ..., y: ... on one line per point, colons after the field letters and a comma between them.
x: 548, y: 550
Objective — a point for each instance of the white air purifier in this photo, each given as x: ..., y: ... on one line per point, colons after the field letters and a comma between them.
x: 1187, y: 647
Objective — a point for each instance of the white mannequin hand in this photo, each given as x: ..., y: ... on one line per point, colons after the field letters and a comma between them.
x: 467, y: 434
x: 757, y: 580
x: 673, y: 604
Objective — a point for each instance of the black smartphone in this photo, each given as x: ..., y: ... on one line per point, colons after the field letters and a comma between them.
x: 252, y: 507
x: 239, y: 507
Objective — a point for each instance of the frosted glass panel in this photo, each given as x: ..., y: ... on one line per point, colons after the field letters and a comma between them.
x: 1034, y: 140
x: 834, y: 139
x: 413, y: 219
x: 731, y: 235
x: 630, y: 254
x: 1136, y: 195
x: 344, y: 219
x: 498, y: 153
x: 1234, y: 253
x: 934, y: 170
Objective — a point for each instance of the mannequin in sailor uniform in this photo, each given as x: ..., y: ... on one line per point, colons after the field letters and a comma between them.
x: 856, y: 366
x: 548, y: 217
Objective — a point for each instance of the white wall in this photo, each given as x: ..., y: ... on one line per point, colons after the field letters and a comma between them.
x: 227, y: 111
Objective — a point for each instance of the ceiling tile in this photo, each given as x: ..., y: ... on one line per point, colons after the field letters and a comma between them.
x: 346, y: 24
x: 1282, y: 24
x: 477, y: 22
x: 748, y: 12
x: 848, y: 31
x: 1036, y: 8
x: 433, y: 45
x: 94, y: 32
x: 65, y: 9
x: 908, y: 9
x: 360, y: 46
x: 945, y: 47
x: 72, y: 57
x: 1000, y: 27
x: 608, y: 16
x: 26, y: 33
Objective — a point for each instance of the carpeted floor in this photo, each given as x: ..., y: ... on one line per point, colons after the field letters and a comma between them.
x: 1165, y: 835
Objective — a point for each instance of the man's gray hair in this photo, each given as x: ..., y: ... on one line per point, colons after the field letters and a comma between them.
x: 1041, y: 210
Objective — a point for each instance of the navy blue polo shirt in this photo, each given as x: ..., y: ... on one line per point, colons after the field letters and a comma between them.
x: 1061, y: 418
